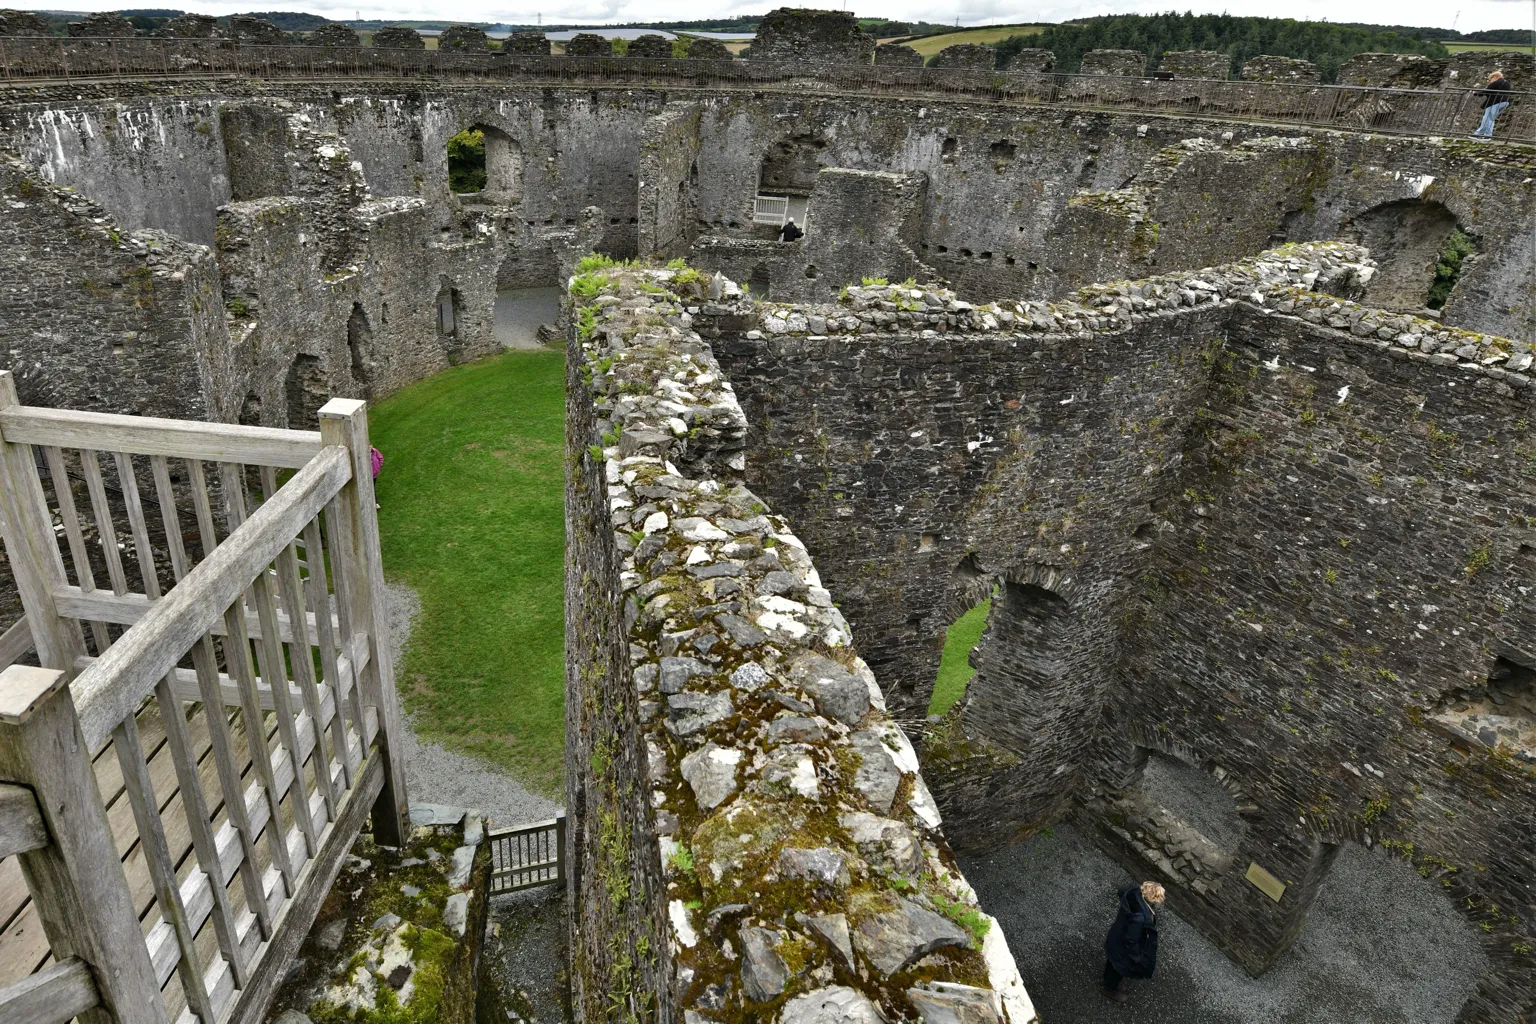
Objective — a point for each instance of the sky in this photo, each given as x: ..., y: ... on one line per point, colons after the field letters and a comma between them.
x: 1467, y: 15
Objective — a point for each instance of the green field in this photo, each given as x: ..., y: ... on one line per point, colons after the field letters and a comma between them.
x: 1507, y: 47
x: 472, y: 518
x: 930, y: 45
x: 954, y: 668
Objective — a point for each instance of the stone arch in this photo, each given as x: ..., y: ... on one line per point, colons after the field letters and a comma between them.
x: 500, y: 163
x: 955, y: 628
x: 1406, y: 238
x: 789, y: 166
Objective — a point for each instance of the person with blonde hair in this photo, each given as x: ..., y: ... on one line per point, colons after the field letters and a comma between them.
x: 1496, y: 97
x: 1130, y: 950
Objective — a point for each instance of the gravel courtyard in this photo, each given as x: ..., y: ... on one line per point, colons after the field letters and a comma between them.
x: 1381, y: 946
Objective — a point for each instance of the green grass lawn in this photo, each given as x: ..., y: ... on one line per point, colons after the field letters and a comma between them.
x: 1510, y: 47
x: 954, y: 670
x: 930, y: 45
x: 472, y: 516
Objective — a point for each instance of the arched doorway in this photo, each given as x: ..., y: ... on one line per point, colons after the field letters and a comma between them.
x: 486, y: 161
x: 1418, y: 248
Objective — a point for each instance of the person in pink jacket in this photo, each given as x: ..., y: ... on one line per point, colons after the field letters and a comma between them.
x: 376, y: 460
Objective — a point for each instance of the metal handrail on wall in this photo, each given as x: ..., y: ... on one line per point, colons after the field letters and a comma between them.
x: 36, y: 59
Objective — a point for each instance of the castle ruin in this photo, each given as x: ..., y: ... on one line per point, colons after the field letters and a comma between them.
x: 1175, y: 383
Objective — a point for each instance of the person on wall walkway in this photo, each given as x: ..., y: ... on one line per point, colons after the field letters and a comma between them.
x: 790, y: 231
x: 1130, y: 950
x: 1496, y: 96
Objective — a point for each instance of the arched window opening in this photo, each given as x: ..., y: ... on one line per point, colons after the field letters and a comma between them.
x: 450, y: 305
x: 359, y: 341
x: 466, y: 161
x: 1418, y: 249
x: 760, y: 284
x: 785, y: 179
x: 306, y: 391
x: 250, y: 410
x: 955, y: 669
x: 485, y: 160
x: 1449, y: 266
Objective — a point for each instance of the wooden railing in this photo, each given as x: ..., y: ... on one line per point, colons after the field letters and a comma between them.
x: 174, y: 879
x: 528, y: 855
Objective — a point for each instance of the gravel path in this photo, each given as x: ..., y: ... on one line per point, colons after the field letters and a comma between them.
x: 436, y: 775
x: 1381, y: 945
x: 522, y: 966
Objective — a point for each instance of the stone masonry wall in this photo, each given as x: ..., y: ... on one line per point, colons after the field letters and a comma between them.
x: 797, y: 34
x: 1207, y: 64
x: 1256, y: 526
x: 669, y: 145
x: 100, y: 317
x: 1004, y: 207
x: 805, y: 872
x: 1349, y: 556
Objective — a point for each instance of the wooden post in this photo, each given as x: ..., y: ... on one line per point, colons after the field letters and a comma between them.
x: 33, y: 549
x: 76, y: 881
x: 344, y: 422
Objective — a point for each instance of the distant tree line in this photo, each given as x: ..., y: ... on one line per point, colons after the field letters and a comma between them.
x: 1326, y: 45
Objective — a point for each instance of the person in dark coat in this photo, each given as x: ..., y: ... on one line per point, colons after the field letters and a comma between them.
x: 1496, y: 96
x: 1130, y: 950
x: 790, y: 231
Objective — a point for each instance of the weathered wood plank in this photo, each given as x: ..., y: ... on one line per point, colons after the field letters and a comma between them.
x: 270, y: 650
x: 36, y: 564
x: 297, y: 916
x: 128, y: 609
x: 146, y: 435
x: 202, y: 506
x: 318, y: 601
x: 344, y: 422
x: 162, y: 868
x: 21, y: 823
x: 199, y: 820
x: 51, y: 996
x: 291, y: 595
x: 170, y: 521
x: 206, y: 673
x: 137, y: 525
x: 102, y: 512
x: 238, y: 656
x: 15, y: 642
x: 114, y: 686
x: 77, y: 551
x: 76, y: 880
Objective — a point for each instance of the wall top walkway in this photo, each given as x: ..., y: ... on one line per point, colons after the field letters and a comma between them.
x: 31, y: 60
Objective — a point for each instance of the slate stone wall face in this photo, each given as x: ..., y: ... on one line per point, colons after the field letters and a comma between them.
x: 802, y: 858
x: 1350, y: 553
x: 102, y: 318
x: 669, y: 147
x: 1018, y: 202
x: 620, y: 946
x: 1275, y: 541
x: 793, y: 34
x: 1208, y: 64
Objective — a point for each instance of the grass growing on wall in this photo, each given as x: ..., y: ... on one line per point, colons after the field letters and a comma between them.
x: 954, y: 668
x: 472, y: 517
